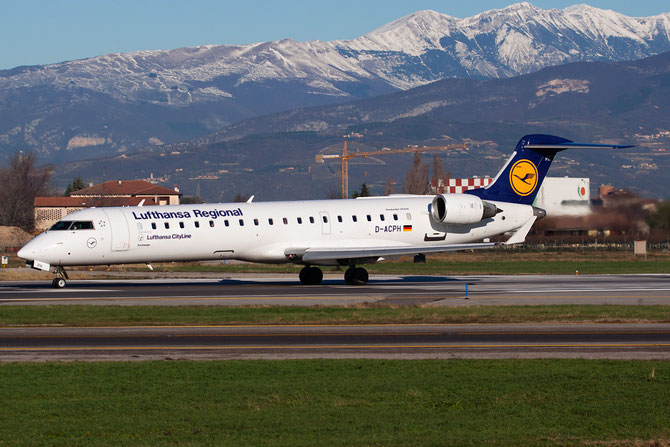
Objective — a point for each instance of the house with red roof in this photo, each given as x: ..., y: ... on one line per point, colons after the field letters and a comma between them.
x: 49, y: 210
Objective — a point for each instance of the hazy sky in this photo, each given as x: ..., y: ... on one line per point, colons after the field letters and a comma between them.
x: 40, y: 32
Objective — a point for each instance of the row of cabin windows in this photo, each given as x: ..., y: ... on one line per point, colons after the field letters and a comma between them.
x: 226, y: 222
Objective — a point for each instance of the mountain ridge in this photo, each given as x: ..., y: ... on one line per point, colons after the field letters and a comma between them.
x: 273, y: 156
x: 125, y: 101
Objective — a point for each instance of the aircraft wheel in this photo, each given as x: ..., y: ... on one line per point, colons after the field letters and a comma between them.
x: 311, y: 275
x: 58, y: 283
x: 347, y: 276
x: 357, y: 276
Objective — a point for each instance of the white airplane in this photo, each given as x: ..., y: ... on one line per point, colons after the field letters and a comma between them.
x: 309, y: 233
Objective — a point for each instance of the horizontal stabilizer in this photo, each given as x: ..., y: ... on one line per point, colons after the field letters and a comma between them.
x: 573, y: 145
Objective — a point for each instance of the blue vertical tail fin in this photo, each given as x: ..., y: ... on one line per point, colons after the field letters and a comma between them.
x: 521, y: 177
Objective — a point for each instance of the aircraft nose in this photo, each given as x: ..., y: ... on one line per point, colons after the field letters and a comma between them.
x: 23, y: 254
x: 27, y: 252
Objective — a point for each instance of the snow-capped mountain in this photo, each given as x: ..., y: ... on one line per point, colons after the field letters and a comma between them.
x: 119, y: 102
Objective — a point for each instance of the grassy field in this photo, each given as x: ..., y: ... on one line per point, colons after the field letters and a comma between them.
x: 359, y: 314
x: 337, y: 402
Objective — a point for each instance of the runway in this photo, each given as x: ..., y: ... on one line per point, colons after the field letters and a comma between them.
x: 346, y: 341
x: 397, y: 290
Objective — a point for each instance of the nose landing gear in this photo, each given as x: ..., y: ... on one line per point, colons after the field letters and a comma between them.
x: 59, y: 281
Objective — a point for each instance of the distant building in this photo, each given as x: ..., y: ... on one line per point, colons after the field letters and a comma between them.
x: 565, y: 196
x: 49, y: 210
x: 132, y: 188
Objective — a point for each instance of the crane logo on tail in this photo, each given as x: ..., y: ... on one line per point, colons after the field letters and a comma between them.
x: 523, y: 177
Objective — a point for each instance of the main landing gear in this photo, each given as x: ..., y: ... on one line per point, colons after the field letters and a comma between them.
x: 354, y: 276
x: 59, y: 281
x: 311, y: 275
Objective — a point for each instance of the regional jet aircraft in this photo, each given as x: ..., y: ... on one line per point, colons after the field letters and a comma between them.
x: 311, y: 233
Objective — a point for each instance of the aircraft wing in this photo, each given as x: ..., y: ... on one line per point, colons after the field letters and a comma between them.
x: 331, y: 253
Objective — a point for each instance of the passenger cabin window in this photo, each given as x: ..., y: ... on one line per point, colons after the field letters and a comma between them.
x: 381, y: 217
x: 256, y: 222
x: 285, y: 221
x: 153, y: 225
x: 339, y: 219
x: 181, y: 224
x: 311, y: 219
x: 409, y: 216
x: 167, y: 225
x: 369, y: 218
x: 354, y: 218
x: 241, y: 222
x: 299, y: 220
x: 197, y: 224
x: 270, y: 221
x: 395, y: 217
x: 226, y: 223
x: 211, y: 223
x: 325, y: 219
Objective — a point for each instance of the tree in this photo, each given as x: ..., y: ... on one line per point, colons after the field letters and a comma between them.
x: 190, y: 199
x: 438, y: 169
x: 239, y: 197
x: 389, y: 186
x: 76, y: 185
x: 416, y: 181
x: 365, y: 192
x: 23, y: 181
x: 660, y: 219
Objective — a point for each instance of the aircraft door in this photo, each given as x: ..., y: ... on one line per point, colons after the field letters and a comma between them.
x: 325, y: 222
x: 119, y: 229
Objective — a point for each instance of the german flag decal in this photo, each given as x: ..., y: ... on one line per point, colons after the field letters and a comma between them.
x: 406, y: 228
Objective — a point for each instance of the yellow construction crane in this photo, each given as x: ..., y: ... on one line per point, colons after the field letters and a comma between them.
x: 345, y: 156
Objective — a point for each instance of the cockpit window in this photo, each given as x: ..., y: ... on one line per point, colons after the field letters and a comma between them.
x: 70, y: 225
x: 83, y: 225
x: 61, y: 225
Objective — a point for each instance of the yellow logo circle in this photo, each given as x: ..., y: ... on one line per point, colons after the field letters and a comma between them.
x: 523, y: 177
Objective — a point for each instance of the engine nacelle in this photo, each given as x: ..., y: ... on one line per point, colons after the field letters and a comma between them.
x: 461, y: 209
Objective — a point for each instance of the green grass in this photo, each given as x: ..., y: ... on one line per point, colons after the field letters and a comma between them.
x: 336, y: 402
x: 76, y: 315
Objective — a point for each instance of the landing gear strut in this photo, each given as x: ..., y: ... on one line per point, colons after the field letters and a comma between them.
x: 59, y: 281
x: 311, y: 275
x: 356, y: 276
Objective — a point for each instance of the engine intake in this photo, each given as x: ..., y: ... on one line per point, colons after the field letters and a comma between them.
x: 461, y: 209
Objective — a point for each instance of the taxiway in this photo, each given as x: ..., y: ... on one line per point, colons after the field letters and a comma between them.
x: 399, y: 290
x: 649, y: 341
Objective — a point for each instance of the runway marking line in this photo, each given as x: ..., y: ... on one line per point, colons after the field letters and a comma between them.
x: 325, y: 347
